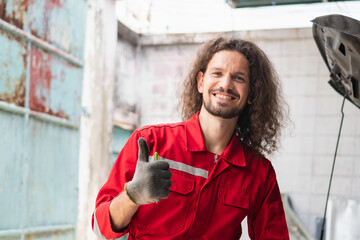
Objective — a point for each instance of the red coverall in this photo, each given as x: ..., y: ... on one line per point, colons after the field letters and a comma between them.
x: 210, y: 194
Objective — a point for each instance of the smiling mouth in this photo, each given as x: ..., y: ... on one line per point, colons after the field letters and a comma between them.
x: 222, y: 96
x: 229, y: 94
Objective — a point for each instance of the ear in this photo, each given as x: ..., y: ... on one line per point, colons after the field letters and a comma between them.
x: 200, y: 81
x: 249, y: 97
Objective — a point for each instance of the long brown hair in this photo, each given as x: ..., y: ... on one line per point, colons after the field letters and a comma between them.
x: 260, y: 122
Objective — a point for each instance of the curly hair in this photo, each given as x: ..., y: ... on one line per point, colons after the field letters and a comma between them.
x: 260, y: 122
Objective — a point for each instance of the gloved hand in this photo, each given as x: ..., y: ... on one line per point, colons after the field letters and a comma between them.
x: 151, y: 181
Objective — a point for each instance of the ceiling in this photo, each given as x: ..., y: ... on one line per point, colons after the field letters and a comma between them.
x: 187, y: 16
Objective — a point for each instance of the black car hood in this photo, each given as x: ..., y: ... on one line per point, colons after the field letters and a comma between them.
x: 338, y: 40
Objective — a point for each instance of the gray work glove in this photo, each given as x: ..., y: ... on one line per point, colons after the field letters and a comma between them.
x: 151, y: 181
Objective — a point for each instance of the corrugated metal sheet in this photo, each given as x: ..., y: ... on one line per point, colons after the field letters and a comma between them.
x: 52, y: 191
x: 11, y: 165
x: 13, y: 67
x: 55, y: 21
x: 41, y: 51
x: 54, y: 85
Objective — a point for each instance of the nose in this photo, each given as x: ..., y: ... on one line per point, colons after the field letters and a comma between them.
x: 226, y: 82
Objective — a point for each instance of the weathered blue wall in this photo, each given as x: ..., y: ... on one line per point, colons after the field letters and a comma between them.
x: 41, y: 73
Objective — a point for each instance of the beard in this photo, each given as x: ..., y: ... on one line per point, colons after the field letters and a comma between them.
x: 221, y: 111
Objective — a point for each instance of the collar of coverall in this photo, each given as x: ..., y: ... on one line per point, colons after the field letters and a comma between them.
x: 233, y: 153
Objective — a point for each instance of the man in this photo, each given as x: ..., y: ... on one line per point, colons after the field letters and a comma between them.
x: 211, y: 173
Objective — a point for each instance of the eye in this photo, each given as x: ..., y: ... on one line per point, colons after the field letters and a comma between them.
x: 239, y: 79
x: 216, y: 74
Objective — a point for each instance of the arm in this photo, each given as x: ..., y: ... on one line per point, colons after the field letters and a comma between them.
x: 122, y: 209
x: 149, y: 183
x: 269, y: 222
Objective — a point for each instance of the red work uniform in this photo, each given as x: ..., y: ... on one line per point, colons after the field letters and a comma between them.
x: 210, y: 194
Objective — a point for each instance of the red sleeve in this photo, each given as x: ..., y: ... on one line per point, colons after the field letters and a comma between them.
x: 121, y: 172
x: 268, y: 221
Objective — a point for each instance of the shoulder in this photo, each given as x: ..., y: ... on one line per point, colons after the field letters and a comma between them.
x: 254, y: 159
x: 162, y: 132
x: 157, y: 128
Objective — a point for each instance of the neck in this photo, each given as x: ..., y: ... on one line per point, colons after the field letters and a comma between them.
x: 217, y: 131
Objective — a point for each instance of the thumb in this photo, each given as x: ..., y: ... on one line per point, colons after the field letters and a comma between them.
x: 143, y: 154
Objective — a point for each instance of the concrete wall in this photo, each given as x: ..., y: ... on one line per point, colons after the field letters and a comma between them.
x: 162, y: 71
x: 126, y: 101
x: 97, y: 101
x: 303, y: 164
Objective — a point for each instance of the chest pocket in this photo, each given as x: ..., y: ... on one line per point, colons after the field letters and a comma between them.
x: 234, y: 197
x: 169, y: 215
x: 182, y: 183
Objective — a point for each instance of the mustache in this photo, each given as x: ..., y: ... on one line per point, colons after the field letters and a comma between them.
x: 228, y: 91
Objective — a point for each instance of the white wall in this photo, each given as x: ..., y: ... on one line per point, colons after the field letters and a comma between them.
x: 303, y: 164
x: 126, y: 70
x: 162, y: 71
x: 97, y: 100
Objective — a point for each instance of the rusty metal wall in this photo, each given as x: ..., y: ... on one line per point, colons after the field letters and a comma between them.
x: 41, y: 73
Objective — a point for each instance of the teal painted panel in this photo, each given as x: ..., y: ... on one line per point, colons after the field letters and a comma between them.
x: 52, y: 185
x: 39, y: 159
x: 13, y: 64
x: 59, y: 22
x: 10, y: 238
x: 62, y: 23
x: 53, y: 236
x: 55, y: 86
x: 120, y: 137
x: 11, y: 169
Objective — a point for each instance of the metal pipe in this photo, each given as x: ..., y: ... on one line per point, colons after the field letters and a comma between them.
x: 298, y: 228
x: 12, y: 108
x: 332, y: 168
x: 37, y: 230
x: 40, y: 43
x: 38, y: 115
x: 55, y: 120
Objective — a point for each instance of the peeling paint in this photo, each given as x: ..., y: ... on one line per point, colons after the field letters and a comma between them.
x: 13, y: 64
x: 18, y: 96
x: 40, y: 78
x: 55, y: 21
x: 55, y: 85
x: 40, y: 83
x: 2, y: 9
x: 14, y: 12
x: 49, y: 5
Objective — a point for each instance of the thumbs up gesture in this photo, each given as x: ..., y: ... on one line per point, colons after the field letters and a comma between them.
x: 151, y: 181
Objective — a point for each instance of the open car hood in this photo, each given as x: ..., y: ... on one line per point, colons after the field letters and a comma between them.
x: 338, y: 40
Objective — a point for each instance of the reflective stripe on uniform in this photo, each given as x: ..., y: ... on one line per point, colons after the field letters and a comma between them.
x: 183, y: 167
x: 97, y: 230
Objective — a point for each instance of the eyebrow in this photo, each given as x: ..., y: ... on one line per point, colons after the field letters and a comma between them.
x: 236, y: 73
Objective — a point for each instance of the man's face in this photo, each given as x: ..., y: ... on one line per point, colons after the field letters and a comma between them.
x: 226, y: 84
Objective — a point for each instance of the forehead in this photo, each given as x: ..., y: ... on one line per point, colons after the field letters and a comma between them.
x: 232, y: 60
